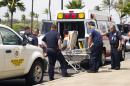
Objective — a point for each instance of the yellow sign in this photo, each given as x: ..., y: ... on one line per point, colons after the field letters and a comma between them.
x: 17, y: 62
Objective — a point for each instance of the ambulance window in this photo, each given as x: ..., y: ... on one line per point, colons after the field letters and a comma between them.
x: 103, y: 27
x: 72, y: 26
x: 9, y: 37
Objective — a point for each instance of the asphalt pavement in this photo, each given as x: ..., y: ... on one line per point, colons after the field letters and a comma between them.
x: 21, y: 82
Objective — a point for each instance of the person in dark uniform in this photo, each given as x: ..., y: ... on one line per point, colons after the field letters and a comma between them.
x: 52, y: 41
x: 115, y: 42
x: 95, y: 45
x: 34, y: 37
x: 29, y: 37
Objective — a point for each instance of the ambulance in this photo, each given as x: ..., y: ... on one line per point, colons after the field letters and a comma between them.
x: 18, y: 59
x: 76, y: 20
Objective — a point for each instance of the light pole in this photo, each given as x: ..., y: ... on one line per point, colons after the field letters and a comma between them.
x: 32, y: 16
x: 61, y: 4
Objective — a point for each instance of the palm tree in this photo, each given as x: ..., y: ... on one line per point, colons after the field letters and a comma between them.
x: 37, y: 16
x: 75, y: 4
x: 49, y: 8
x: 122, y: 7
x: 108, y: 4
x: 32, y: 15
x: 23, y: 19
x: 46, y: 12
x: 7, y: 16
x: 12, y: 5
x: 97, y: 8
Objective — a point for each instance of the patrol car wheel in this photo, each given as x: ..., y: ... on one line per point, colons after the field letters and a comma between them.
x: 35, y: 76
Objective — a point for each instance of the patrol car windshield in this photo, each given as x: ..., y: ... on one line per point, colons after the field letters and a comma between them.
x: 72, y: 26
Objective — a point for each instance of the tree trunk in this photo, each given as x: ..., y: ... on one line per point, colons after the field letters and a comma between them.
x: 37, y: 22
x: 109, y: 9
x: 32, y: 16
x: 50, y: 9
x: 24, y: 23
x: 11, y: 22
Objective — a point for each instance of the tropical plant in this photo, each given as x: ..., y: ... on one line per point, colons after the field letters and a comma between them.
x: 37, y: 16
x: 12, y: 5
x: 7, y: 16
x: 75, y: 4
x: 98, y: 8
x: 46, y: 12
x: 109, y: 4
x: 123, y: 8
x: 23, y: 19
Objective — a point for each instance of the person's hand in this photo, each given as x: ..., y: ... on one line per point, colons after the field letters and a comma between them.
x: 45, y: 54
x: 119, y: 48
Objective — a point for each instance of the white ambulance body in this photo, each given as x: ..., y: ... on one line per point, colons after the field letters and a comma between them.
x: 76, y: 20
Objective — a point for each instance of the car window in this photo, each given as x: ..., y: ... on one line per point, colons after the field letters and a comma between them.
x: 9, y: 37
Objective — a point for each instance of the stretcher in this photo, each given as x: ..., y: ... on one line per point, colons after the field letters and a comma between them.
x: 74, y: 57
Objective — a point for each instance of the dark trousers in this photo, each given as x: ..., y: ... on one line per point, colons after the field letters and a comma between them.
x: 95, y: 57
x: 115, y: 58
x: 54, y: 55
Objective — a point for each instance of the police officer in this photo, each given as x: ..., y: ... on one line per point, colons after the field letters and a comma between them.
x: 52, y: 41
x: 35, y: 37
x: 95, y: 44
x: 115, y: 42
x: 30, y: 38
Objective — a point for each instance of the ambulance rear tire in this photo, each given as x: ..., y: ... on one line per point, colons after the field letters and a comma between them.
x: 123, y: 55
x: 103, y: 59
x: 35, y: 75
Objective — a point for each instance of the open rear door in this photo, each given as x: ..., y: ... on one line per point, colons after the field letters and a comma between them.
x: 46, y: 26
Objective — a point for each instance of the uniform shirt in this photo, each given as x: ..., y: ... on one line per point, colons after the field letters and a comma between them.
x: 114, y: 38
x: 34, y: 40
x: 96, y: 36
x: 31, y: 39
x: 51, y: 39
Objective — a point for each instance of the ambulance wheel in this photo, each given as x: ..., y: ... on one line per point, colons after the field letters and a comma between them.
x: 103, y: 59
x: 35, y: 75
x: 123, y: 55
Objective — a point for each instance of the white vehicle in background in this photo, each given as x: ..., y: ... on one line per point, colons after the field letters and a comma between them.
x: 18, y: 58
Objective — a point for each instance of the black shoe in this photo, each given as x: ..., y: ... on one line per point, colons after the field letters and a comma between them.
x: 91, y: 71
x: 112, y: 67
x: 66, y: 75
x: 117, y: 68
x: 51, y: 79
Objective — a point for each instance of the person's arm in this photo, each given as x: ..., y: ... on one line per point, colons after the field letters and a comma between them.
x: 59, y: 41
x: 90, y: 41
x: 44, y: 42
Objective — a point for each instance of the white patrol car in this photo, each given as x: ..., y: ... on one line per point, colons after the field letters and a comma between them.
x: 18, y: 60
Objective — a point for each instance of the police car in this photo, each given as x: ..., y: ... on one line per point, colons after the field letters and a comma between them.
x: 18, y: 58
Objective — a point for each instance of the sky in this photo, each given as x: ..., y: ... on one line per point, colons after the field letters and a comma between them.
x: 40, y: 5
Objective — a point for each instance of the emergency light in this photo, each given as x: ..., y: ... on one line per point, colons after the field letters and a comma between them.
x: 71, y: 15
x: 60, y: 15
x: 81, y: 15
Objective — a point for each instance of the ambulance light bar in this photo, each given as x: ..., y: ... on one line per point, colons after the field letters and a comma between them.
x: 71, y: 15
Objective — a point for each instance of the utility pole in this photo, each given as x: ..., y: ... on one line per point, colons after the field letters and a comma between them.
x: 61, y: 4
x: 32, y: 16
